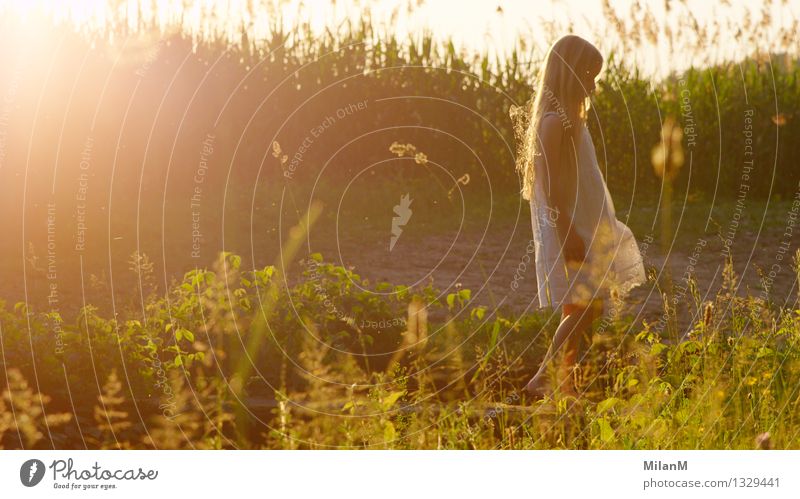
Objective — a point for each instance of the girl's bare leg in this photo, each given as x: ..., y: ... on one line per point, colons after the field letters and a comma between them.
x: 574, y: 322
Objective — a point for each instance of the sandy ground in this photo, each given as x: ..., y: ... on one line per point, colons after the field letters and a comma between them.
x: 498, y: 266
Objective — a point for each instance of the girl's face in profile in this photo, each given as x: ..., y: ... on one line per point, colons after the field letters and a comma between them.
x: 588, y: 78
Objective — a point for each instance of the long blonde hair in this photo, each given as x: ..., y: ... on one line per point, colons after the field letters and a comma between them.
x: 558, y: 89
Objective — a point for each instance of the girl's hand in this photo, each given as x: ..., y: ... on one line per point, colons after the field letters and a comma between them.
x: 574, y: 249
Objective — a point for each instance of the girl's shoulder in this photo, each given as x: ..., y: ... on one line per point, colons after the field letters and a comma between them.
x: 551, y: 129
x: 551, y: 119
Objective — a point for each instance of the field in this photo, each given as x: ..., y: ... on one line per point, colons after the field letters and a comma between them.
x: 198, y: 249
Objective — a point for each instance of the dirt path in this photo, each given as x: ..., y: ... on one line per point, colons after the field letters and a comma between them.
x: 498, y: 266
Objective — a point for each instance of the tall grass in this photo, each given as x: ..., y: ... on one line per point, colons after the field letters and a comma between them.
x: 322, y: 380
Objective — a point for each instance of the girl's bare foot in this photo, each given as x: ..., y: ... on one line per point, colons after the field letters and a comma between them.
x: 538, y: 387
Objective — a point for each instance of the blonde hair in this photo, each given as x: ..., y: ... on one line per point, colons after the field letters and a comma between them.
x: 558, y: 89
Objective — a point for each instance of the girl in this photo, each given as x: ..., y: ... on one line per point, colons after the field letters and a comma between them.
x: 582, y: 251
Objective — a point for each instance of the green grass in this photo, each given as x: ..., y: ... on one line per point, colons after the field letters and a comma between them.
x: 228, y: 345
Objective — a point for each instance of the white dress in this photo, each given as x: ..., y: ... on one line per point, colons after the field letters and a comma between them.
x: 612, y: 261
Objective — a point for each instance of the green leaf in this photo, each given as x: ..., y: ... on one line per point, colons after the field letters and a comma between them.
x: 390, y: 399
x: 607, y: 404
x: 479, y: 313
x: 764, y: 352
x: 389, y: 432
x: 182, y: 333
x: 606, y: 431
x: 690, y: 346
x: 451, y: 300
x: 657, y: 348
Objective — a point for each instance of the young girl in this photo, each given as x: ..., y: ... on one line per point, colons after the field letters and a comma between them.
x: 582, y: 250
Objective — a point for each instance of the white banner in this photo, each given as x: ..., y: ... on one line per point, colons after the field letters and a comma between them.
x: 399, y: 474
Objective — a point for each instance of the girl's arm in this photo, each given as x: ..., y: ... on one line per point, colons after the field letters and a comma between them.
x: 551, y: 135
